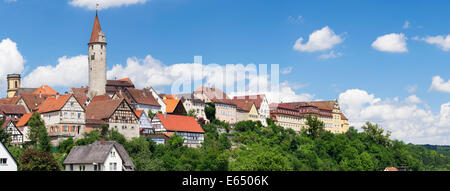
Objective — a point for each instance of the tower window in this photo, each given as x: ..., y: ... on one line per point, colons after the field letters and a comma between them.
x: 92, y: 57
x: 15, y: 84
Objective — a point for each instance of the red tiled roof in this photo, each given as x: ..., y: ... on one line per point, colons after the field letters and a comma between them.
x: 53, y: 103
x: 100, y: 98
x: 24, y: 120
x: 46, y: 90
x: 12, y: 100
x: 257, y: 99
x: 12, y: 109
x: 343, y: 117
x: 33, y: 101
x: 80, y: 94
x: 223, y: 101
x: 180, y: 123
x: 243, y: 104
x: 212, y: 93
x: 142, y: 96
x: 5, y: 123
x: 138, y: 112
x: 95, y: 30
x: 100, y: 110
x: 171, y: 104
x: 390, y: 169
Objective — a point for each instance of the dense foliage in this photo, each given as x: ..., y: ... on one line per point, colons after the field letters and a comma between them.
x: 249, y: 146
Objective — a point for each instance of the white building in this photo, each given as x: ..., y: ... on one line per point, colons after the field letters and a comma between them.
x: 7, y: 161
x: 192, y: 103
x: 16, y: 134
x: 64, y: 117
x: 184, y: 126
x: 99, y: 156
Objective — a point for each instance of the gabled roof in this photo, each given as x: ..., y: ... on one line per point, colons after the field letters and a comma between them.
x: 138, y: 113
x: 242, y: 104
x: 80, y: 94
x: 122, y: 152
x: 12, y: 100
x: 33, y: 100
x: 23, y: 121
x: 100, y: 98
x: 46, y: 90
x: 2, y: 145
x: 100, y: 110
x: 326, y: 105
x: 12, y: 109
x: 54, y: 103
x: 6, y: 123
x: 142, y: 96
x: 95, y: 30
x: 257, y: 99
x: 171, y: 104
x: 179, y: 123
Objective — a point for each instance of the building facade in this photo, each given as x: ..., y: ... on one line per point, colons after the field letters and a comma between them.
x: 184, y: 126
x: 64, y: 117
x: 286, y: 116
x: 7, y: 161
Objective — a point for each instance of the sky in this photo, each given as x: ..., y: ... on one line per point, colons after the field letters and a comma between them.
x: 384, y: 61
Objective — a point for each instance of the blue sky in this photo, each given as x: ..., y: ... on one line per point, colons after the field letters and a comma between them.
x: 258, y: 32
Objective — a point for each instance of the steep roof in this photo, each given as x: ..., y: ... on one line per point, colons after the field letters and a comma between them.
x: 100, y: 110
x: 100, y: 98
x: 96, y: 29
x: 80, y: 94
x: 142, y: 96
x: 122, y: 152
x: 12, y: 100
x: 23, y: 121
x: 243, y: 105
x: 46, y: 90
x: 6, y: 122
x: 53, y: 103
x: 257, y: 99
x: 34, y: 100
x: 326, y: 105
x: 171, y: 104
x: 138, y: 113
x: 180, y: 123
x: 12, y: 109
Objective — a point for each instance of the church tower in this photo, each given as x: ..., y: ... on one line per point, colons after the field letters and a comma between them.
x: 97, y: 60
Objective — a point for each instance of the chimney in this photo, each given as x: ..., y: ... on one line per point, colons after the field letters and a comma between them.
x: 102, y: 141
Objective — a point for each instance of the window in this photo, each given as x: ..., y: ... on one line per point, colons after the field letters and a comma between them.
x: 71, y: 167
x: 3, y: 161
x: 73, y: 128
x: 93, y: 56
x: 79, y: 115
x: 110, y: 166
x: 113, y: 154
x: 95, y: 167
x: 115, y: 166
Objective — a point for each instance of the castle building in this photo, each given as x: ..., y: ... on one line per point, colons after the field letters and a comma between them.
x: 97, y: 61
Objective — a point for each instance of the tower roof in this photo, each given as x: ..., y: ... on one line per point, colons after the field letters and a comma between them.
x: 96, y: 30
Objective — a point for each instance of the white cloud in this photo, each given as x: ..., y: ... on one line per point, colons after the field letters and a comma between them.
x: 319, y: 40
x: 394, y: 43
x: 330, y: 55
x: 438, y: 84
x: 406, y: 25
x: 286, y: 70
x: 104, y: 4
x: 69, y: 72
x: 411, y: 88
x: 11, y: 61
x: 440, y: 41
x: 406, y: 119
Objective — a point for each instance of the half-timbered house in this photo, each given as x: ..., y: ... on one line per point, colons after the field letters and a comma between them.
x: 16, y: 135
x: 116, y: 113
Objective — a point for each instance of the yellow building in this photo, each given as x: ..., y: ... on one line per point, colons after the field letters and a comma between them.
x: 286, y: 116
x: 328, y: 112
x: 246, y: 110
x: 13, y: 84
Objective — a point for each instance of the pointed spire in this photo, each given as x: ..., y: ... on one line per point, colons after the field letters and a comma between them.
x: 96, y: 30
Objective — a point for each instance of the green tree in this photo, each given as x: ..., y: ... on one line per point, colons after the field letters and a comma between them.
x: 66, y: 145
x: 114, y: 135
x: 210, y: 111
x: 32, y: 160
x: 5, y: 137
x: 150, y: 114
x: 104, y: 130
x: 376, y: 134
x: 316, y: 127
x: 37, y: 128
